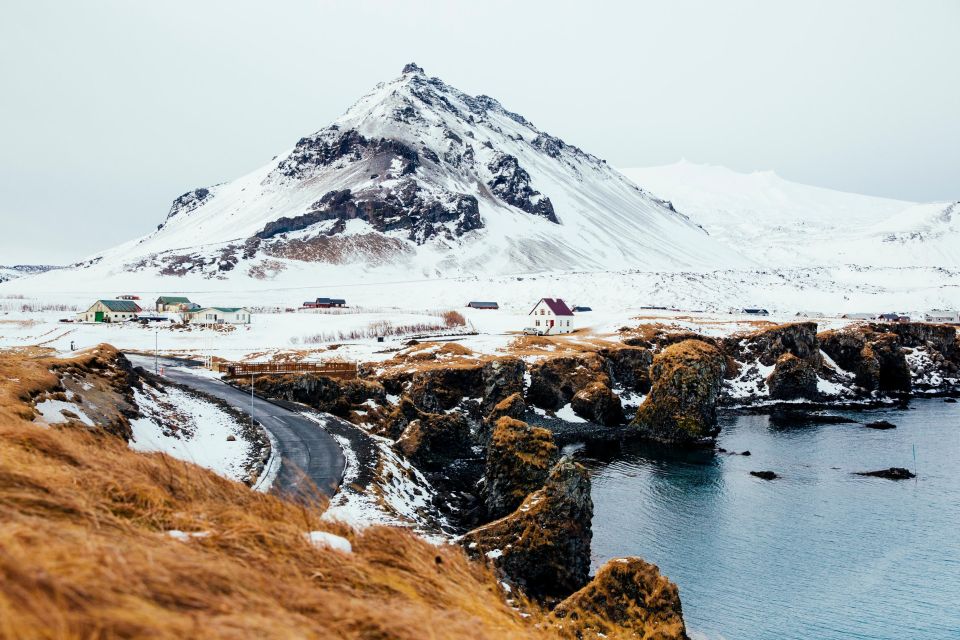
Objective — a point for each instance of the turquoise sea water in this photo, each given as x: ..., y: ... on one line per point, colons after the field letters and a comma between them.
x: 819, y: 553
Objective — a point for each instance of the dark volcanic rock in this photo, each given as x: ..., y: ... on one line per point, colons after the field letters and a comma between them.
x: 786, y: 416
x: 682, y: 404
x: 511, y: 183
x: 512, y: 406
x: 881, y: 424
x: 554, y: 382
x: 764, y: 475
x: 442, y: 388
x: 950, y: 400
x: 519, y: 457
x: 628, y: 595
x: 893, y: 473
x: 768, y: 345
x: 544, y: 546
x: 597, y: 403
x: 320, y: 392
x: 629, y: 367
x: 189, y: 201
x: 793, y: 378
x: 502, y: 377
x: 433, y: 441
x: 876, y: 359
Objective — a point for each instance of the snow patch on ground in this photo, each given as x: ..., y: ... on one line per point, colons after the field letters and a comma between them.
x: 325, y: 540
x: 200, y: 435
x: 51, y: 412
x: 567, y: 414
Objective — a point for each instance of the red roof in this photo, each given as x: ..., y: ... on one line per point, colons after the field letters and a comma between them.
x: 558, y: 306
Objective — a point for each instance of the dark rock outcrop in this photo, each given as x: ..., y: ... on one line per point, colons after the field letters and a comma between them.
x: 627, y: 596
x: 893, y: 473
x: 443, y: 388
x: 793, y: 378
x: 629, y: 367
x: 877, y: 360
x: 597, y: 403
x: 502, y: 378
x: 682, y: 405
x: 512, y: 406
x: 764, y: 475
x: 768, y: 345
x: 554, y: 381
x: 519, y: 457
x: 511, y: 183
x: 433, y: 441
x: 320, y: 392
x: 880, y: 424
x: 189, y: 201
x: 544, y: 546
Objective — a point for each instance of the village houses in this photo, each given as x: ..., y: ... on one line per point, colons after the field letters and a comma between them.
x: 175, y: 304
x: 218, y: 315
x: 110, y: 311
x: 552, y: 316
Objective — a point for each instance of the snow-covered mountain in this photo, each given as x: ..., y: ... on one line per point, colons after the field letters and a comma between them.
x: 418, y: 179
x: 21, y: 270
x: 787, y: 224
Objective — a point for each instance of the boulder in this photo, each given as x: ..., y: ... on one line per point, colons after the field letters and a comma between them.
x: 512, y: 406
x: 768, y: 345
x: 519, y: 458
x: 434, y: 441
x: 597, y: 403
x: 793, y: 378
x: 764, y: 475
x: 628, y: 596
x: 544, y: 546
x: 682, y: 404
x: 554, y: 381
x: 320, y: 392
x: 876, y: 359
x: 502, y: 378
x: 881, y: 425
x: 893, y: 473
x: 628, y: 367
x: 442, y: 388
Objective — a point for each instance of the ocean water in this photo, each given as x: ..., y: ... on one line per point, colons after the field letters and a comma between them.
x: 819, y: 553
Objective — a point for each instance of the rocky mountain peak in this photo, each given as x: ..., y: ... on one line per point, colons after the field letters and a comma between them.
x: 412, y: 67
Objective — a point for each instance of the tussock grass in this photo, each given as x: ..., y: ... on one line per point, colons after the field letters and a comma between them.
x: 84, y: 551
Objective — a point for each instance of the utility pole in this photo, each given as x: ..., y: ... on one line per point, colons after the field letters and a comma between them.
x: 156, y: 348
x: 251, y: 398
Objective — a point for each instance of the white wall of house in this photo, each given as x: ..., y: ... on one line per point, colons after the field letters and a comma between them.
x: 90, y: 315
x: 941, y: 315
x: 546, y: 320
x: 211, y: 315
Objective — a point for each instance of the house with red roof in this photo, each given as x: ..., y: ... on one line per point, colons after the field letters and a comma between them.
x: 552, y: 316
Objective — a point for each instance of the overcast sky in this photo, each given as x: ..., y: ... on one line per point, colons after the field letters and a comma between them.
x: 112, y: 109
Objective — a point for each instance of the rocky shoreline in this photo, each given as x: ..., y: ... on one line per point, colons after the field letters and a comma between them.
x: 487, y: 431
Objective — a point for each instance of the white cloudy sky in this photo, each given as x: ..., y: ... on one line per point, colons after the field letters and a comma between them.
x: 112, y: 109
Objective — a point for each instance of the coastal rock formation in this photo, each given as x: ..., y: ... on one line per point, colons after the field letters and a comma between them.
x: 627, y: 595
x: 893, y: 473
x: 682, y: 404
x: 502, y: 378
x: 512, y: 406
x: 338, y: 397
x: 876, y: 359
x: 432, y: 441
x: 597, y: 403
x: 768, y: 345
x: 519, y: 457
x: 554, y: 382
x: 629, y: 367
x: 543, y: 546
x: 442, y: 388
x: 793, y: 378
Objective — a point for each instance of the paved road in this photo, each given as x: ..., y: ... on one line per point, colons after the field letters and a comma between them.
x: 309, y: 456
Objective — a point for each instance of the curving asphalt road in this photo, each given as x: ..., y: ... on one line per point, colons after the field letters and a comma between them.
x: 311, y: 460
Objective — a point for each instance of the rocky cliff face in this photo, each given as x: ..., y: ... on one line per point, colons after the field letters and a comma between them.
x: 682, y: 405
x: 628, y: 595
x: 519, y: 457
x: 544, y: 546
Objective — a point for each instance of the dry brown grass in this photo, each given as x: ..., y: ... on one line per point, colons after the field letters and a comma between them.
x: 84, y: 551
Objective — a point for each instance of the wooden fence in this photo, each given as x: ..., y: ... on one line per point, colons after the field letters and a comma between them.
x: 341, y: 370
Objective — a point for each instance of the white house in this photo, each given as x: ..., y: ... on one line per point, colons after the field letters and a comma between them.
x: 941, y: 315
x: 218, y: 315
x: 552, y: 316
x: 110, y: 311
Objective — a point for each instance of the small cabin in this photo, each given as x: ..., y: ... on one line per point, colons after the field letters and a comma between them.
x: 941, y: 316
x: 174, y: 303
x: 110, y: 311
x: 581, y: 309
x: 324, y: 303
x: 552, y: 316
x: 128, y: 296
x: 859, y: 316
x: 476, y: 304
x: 893, y: 317
x: 219, y: 315
x: 755, y: 312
